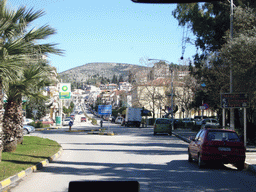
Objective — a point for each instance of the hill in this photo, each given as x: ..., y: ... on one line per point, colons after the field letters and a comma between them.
x: 90, y: 71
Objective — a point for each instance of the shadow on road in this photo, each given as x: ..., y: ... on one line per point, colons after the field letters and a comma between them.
x: 177, y: 175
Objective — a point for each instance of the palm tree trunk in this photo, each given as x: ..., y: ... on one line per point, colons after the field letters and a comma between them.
x: 1, y: 120
x: 12, y: 125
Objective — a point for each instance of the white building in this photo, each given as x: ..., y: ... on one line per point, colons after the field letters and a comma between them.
x: 125, y: 86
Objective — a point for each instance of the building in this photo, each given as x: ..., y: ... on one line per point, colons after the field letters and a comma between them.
x: 160, y: 69
x: 182, y: 74
x: 125, y: 86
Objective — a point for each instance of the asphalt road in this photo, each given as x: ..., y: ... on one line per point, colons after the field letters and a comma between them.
x: 159, y: 163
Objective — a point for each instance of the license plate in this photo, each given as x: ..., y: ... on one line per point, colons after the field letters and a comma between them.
x: 224, y: 149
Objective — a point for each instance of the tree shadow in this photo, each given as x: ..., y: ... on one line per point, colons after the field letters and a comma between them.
x: 176, y: 175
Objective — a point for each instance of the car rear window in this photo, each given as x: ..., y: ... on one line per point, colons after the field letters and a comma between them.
x: 222, y: 136
x: 162, y: 121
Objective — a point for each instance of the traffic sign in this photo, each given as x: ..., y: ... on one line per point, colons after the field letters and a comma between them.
x: 206, y: 106
x: 105, y: 109
x: 234, y: 100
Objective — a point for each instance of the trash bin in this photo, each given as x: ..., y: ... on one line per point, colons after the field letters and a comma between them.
x: 58, y: 120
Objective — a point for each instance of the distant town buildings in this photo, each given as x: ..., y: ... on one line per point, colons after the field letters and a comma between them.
x: 149, y: 88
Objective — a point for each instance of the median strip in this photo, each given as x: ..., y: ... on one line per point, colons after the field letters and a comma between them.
x: 7, y: 157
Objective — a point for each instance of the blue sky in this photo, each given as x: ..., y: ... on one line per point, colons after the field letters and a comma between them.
x: 109, y: 31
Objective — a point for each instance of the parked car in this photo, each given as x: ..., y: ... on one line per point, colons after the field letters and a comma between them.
x: 66, y: 121
x: 217, y: 145
x: 83, y: 119
x: 210, y: 122
x: 27, y: 121
x: 188, y: 120
x: 163, y: 125
x: 119, y: 120
x: 72, y: 116
x: 28, y: 129
x: 47, y: 121
x: 199, y: 119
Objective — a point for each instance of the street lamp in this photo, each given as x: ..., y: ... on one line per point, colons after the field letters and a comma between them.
x: 232, y: 114
x: 172, y: 99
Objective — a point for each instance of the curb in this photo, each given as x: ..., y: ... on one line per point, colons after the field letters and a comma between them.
x: 250, y: 168
x: 182, y: 138
x: 247, y: 166
x: 29, y: 170
x: 101, y: 133
x: 49, y: 128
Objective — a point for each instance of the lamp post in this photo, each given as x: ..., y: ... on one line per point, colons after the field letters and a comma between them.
x: 232, y: 113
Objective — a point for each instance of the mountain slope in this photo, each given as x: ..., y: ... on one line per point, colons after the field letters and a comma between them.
x: 99, y: 69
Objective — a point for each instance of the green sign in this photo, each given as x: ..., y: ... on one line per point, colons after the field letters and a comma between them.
x: 64, y: 95
x: 65, y: 91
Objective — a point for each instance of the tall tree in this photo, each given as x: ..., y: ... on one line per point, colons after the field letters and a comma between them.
x: 17, y: 42
x: 29, y: 83
x: 240, y: 52
x: 210, y: 22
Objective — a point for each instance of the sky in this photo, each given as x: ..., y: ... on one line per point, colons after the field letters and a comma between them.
x: 117, y: 31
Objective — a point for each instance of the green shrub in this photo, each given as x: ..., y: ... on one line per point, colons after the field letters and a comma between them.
x: 32, y: 124
x: 94, y: 121
x: 39, y: 124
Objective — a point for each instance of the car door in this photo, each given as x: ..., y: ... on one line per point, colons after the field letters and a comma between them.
x: 193, y: 146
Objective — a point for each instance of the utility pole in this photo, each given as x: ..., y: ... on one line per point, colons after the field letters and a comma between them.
x: 232, y: 113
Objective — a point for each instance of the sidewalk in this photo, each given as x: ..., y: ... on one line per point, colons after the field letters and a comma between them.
x: 250, y: 161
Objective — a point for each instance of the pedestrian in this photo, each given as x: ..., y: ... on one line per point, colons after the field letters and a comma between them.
x: 101, y: 123
x: 70, y: 124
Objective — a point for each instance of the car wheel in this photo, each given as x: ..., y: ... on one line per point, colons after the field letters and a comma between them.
x: 240, y: 166
x: 200, y: 162
x: 189, y: 157
x: 25, y: 131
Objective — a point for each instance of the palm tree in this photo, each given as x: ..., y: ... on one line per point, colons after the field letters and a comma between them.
x: 17, y: 46
x: 29, y: 83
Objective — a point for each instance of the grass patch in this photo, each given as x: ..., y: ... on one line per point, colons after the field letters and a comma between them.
x: 32, y: 151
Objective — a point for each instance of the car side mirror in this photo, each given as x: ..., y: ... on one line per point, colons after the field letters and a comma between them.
x: 191, y: 138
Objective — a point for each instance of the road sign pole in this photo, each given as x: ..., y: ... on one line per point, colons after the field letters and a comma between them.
x: 223, y: 117
x: 245, y: 133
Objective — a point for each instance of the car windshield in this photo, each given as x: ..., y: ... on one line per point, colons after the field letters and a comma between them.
x: 78, y: 64
x: 163, y: 121
x: 222, y: 136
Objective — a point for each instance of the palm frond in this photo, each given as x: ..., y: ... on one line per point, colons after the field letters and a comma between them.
x: 40, y: 33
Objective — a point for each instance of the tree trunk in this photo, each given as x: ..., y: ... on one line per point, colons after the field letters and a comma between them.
x: 1, y: 120
x: 12, y: 125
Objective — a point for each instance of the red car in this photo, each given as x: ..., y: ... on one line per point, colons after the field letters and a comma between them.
x: 217, y: 145
x: 83, y: 119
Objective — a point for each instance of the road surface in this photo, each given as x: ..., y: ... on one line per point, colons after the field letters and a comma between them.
x: 159, y: 163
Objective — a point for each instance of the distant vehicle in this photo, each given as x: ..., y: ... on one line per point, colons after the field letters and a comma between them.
x: 199, y: 119
x: 163, y: 125
x: 217, y: 145
x: 47, y: 121
x: 133, y: 117
x: 27, y: 121
x: 210, y: 122
x: 28, y: 129
x: 72, y: 117
x: 83, y: 119
x: 188, y: 120
x: 119, y: 120
x: 66, y: 121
